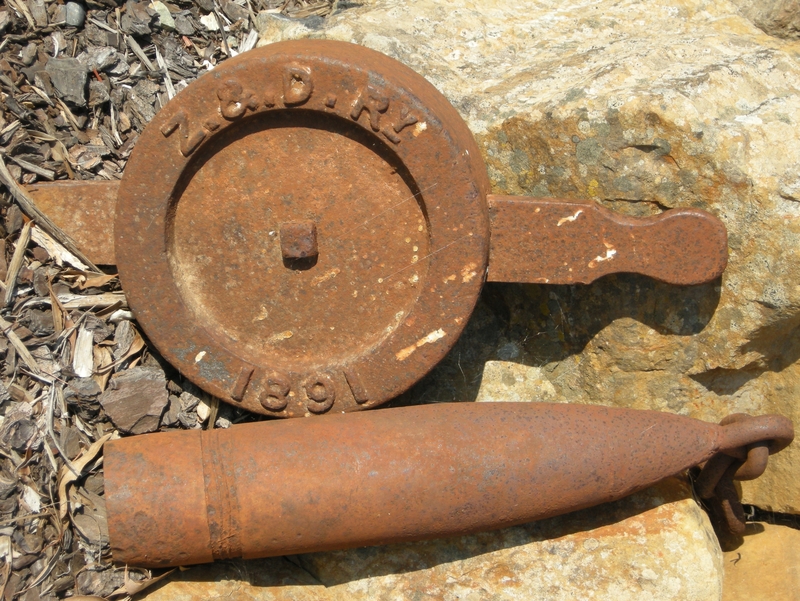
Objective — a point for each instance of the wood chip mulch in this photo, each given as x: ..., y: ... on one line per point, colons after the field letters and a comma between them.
x: 78, y: 83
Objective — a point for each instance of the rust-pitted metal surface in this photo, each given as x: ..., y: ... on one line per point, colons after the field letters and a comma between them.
x: 751, y: 441
x: 275, y: 488
x: 305, y: 229
x: 85, y: 211
x: 550, y: 241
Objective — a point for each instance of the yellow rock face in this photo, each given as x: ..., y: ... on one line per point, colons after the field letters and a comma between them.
x: 657, y: 545
x: 766, y: 567
x: 641, y: 106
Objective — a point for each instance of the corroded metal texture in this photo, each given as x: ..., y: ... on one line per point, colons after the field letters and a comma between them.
x: 85, y: 211
x: 275, y: 488
x: 553, y: 241
x: 746, y: 460
x: 304, y: 229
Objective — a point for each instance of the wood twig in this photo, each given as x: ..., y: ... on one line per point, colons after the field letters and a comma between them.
x: 57, y: 393
x: 16, y: 263
x: 137, y: 50
x: 20, y: 347
x: 162, y: 64
x: 48, y: 174
x: 92, y: 301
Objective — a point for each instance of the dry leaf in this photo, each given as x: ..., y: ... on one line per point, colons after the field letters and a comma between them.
x: 68, y: 477
x: 131, y: 587
x: 58, y: 310
x: 104, y: 361
x: 17, y: 261
x: 95, y: 281
x: 136, y: 346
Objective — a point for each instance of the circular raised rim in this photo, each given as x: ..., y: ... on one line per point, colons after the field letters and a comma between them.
x: 374, y: 233
x: 384, y: 98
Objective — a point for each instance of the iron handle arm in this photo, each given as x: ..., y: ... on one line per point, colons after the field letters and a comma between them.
x: 555, y: 241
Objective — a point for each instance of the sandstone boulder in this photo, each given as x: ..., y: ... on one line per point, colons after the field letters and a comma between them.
x: 641, y: 106
x: 766, y: 567
x: 656, y: 545
x: 780, y: 18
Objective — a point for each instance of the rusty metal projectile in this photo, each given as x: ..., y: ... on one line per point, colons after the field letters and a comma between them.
x: 285, y: 487
x: 307, y: 229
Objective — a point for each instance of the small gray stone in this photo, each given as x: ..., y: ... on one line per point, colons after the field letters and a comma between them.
x: 135, y: 399
x: 69, y: 79
x: 189, y: 400
x: 42, y: 80
x: 183, y: 24
x: 28, y: 54
x: 165, y: 19
x: 170, y: 417
x: 76, y: 14
x: 13, y: 219
x: 71, y: 442
x: 41, y: 322
x: 100, y: 58
x: 123, y: 338
x: 18, y: 431
x: 99, y: 582
x: 188, y: 420
x: 188, y: 413
x: 235, y: 12
x: 98, y: 93
x: 40, y: 282
x: 4, y: 20
x: 81, y: 388
x: 59, y: 14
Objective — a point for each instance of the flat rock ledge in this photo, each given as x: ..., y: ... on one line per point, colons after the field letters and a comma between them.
x: 656, y: 545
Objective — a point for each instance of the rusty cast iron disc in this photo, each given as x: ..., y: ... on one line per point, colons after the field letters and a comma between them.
x: 304, y: 229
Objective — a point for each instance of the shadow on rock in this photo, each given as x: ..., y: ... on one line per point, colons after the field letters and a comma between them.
x: 778, y: 345
x: 536, y: 325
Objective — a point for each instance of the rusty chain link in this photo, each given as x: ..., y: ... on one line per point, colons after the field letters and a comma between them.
x: 747, y: 444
